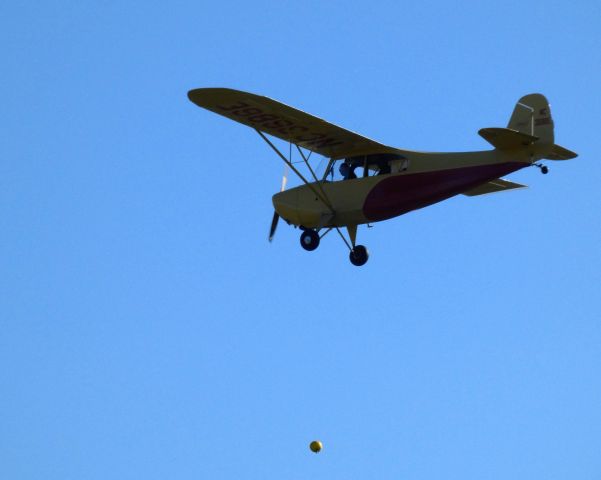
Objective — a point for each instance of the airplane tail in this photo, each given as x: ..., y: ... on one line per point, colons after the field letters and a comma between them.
x: 531, y: 124
x: 532, y: 116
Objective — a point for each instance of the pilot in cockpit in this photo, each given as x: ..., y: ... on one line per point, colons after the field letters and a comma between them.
x: 347, y: 172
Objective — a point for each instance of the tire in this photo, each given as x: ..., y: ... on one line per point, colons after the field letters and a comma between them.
x: 309, y: 240
x: 359, y: 255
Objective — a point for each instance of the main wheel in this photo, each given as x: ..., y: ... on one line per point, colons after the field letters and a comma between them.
x: 309, y: 240
x: 544, y: 170
x: 359, y: 255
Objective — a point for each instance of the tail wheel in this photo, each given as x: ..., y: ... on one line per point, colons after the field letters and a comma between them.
x: 309, y: 240
x: 359, y: 255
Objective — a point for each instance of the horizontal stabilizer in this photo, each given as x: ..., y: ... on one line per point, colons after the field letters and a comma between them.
x: 560, y: 153
x: 505, y: 138
x: 498, y: 185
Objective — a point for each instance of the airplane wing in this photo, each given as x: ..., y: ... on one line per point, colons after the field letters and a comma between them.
x: 498, y: 185
x: 287, y: 123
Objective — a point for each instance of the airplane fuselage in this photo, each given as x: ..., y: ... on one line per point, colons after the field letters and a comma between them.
x: 428, y: 178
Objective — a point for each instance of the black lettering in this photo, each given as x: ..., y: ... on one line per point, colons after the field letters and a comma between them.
x: 235, y: 106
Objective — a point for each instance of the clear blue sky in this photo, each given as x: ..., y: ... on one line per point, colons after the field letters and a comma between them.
x: 148, y: 330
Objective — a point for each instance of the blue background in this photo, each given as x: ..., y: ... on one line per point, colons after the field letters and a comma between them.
x: 149, y: 330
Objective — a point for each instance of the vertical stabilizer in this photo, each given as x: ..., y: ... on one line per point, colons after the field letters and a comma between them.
x: 532, y: 116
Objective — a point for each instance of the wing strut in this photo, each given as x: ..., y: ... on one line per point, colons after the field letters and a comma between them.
x: 306, y: 160
x: 319, y: 195
x: 344, y: 239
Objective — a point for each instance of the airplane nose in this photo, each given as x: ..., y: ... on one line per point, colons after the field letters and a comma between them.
x: 288, y: 205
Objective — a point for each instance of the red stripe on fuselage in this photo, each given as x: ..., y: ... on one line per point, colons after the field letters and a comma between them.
x: 400, y: 194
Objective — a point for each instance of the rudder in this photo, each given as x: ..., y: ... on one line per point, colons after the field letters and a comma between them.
x: 532, y: 116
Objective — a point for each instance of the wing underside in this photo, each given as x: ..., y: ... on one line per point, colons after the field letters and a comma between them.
x: 287, y: 123
x: 560, y: 153
x: 498, y: 185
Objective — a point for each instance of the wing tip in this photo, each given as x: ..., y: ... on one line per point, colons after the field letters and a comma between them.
x: 206, y: 96
x: 198, y: 94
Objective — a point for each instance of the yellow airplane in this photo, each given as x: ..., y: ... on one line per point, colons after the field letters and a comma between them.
x: 378, y: 182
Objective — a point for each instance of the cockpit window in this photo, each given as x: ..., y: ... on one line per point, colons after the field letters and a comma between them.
x: 366, y: 165
x: 377, y: 163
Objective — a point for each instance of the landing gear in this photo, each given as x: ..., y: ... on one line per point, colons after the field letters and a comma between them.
x: 309, y: 239
x: 543, y: 168
x: 359, y: 255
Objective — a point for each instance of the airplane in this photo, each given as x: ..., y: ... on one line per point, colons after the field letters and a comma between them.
x: 378, y: 182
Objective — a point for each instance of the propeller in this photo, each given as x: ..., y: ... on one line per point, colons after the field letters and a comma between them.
x: 276, y: 216
x: 274, y: 225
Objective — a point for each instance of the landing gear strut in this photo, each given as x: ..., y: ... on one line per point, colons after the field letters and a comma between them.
x: 358, y: 253
x: 309, y: 239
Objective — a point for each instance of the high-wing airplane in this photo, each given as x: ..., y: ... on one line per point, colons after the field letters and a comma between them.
x: 379, y: 182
